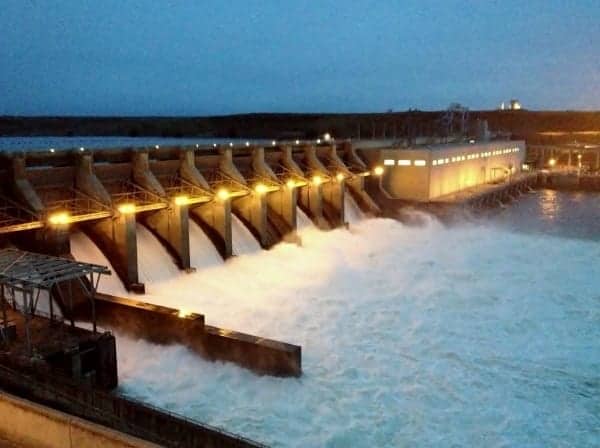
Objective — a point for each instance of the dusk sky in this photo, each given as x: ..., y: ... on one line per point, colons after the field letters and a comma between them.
x: 137, y: 57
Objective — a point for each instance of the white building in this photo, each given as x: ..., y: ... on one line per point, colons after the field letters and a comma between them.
x: 423, y: 174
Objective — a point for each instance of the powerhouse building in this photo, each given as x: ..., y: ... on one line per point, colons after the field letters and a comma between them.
x: 423, y: 174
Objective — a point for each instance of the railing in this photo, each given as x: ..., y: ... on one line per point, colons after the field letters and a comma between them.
x: 117, y: 412
x: 13, y: 217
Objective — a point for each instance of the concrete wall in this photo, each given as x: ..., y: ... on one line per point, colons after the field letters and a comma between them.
x: 30, y: 424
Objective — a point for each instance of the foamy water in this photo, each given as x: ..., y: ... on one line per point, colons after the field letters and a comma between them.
x: 479, y: 334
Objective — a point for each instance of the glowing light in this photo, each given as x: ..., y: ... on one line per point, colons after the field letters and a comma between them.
x: 59, y: 218
x: 402, y: 162
x: 290, y: 184
x: 579, y: 156
x: 247, y: 143
x: 214, y: 145
x: 127, y: 208
x: 420, y: 162
x: 183, y: 313
x: 318, y: 141
x: 273, y: 143
x: 261, y: 188
x: 317, y: 180
x: 230, y: 144
x: 197, y: 145
x: 223, y: 194
x: 182, y: 200
x: 340, y: 177
x: 52, y: 150
x: 327, y: 136
x: 378, y: 171
x: 389, y: 162
x: 552, y: 162
x: 297, y: 142
x: 82, y: 149
x: 156, y: 146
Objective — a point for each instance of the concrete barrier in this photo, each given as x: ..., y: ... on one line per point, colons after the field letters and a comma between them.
x: 31, y: 424
x: 162, y: 325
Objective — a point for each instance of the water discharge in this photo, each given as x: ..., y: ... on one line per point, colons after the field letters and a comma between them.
x: 203, y: 253
x: 352, y: 212
x: 155, y: 264
x: 84, y: 249
x: 243, y: 240
x: 302, y: 221
x: 412, y: 335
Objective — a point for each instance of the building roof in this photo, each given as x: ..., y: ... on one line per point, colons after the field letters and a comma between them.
x: 30, y: 270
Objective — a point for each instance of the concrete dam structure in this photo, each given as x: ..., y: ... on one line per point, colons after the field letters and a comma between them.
x: 155, y: 214
x: 47, y: 196
x: 171, y: 200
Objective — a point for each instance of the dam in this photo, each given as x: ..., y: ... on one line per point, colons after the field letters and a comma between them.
x: 169, y: 222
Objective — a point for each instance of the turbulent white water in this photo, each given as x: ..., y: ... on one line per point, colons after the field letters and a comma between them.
x: 352, y: 212
x: 203, y: 253
x: 302, y: 221
x: 242, y: 239
x: 473, y: 335
x: 155, y: 264
x: 84, y: 249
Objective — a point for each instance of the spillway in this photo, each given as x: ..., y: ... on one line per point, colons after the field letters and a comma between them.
x: 302, y: 221
x: 84, y: 249
x: 243, y: 240
x: 352, y: 212
x: 203, y: 253
x: 155, y: 264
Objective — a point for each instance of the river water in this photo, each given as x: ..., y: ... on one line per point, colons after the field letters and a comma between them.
x: 483, y: 333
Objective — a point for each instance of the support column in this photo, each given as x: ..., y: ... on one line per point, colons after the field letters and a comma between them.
x: 87, y: 182
x: 117, y: 239
x: 311, y: 200
x: 570, y: 160
x: 170, y: 225
x: 283, y: 203
x: 51, y: 240
x: 188, y: 170
x: 311, y: 195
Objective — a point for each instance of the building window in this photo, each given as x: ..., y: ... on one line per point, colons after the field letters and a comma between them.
x: 389, y: 162
x: 420, y: 163
x: 440, y: 161
x: 434, y: 162
x: 403, y: 162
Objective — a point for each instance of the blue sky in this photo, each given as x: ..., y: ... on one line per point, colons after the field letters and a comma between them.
x: 142, y: 57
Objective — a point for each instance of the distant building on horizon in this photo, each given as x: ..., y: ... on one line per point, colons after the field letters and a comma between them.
x: 514, y: 104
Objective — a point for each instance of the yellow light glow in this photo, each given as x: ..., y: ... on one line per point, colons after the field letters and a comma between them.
x: 552, y: 162
x: 223, y: 194
x: 60, y: 218
x: 127, y: 208
x: 184, y: 313
x: 340, y: 177
x: 182, y: 200
x: 579, y: 156
x: 317, y: 180
x: 261, y: 188
x: 378, y: 171
x: 290, y: 184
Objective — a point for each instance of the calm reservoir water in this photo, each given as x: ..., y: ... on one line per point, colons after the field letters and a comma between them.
x: 485, y: 333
